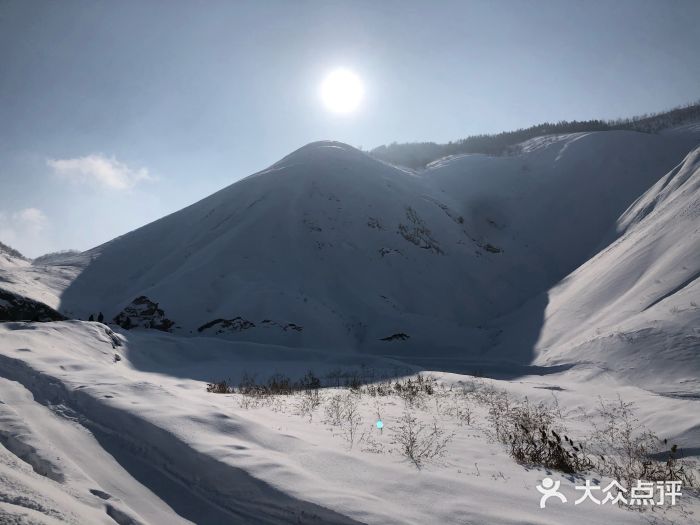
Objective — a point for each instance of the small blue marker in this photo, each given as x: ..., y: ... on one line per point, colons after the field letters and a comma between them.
x: 380, y: 424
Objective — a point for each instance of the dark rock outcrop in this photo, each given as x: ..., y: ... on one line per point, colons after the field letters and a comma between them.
x: 14, y: 307
x: 143, y: 313
x: 396, y: 337
x: 237, y: 324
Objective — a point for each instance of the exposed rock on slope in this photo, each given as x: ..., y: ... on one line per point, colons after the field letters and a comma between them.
x: 236, y: 324
x: 143, y: 313
x: 14, y: 307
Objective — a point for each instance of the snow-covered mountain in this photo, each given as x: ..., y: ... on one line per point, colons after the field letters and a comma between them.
x: 467, y: 260
x: 332, y: 248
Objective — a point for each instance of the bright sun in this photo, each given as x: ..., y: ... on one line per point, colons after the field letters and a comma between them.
x: 342, y: 91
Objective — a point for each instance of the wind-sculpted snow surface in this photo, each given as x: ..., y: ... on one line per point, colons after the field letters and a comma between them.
x: 87, y: 438
x: 123, y: 460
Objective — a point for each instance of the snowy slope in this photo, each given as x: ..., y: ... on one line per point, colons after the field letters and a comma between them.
x: 634, y: 308
x: 41, y: 282
x: 137, y: 437
x: 559, y: 197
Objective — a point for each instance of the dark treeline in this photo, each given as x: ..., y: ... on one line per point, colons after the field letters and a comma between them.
x: 419, y: 154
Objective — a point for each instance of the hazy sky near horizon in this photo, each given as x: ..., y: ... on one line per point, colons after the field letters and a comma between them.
x: 113, y: 114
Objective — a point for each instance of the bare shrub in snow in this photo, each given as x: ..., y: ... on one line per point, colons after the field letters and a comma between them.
x: 370, y: 443
x: 369, y: 440
x: 534, y: 433
x: 276, y: 385
x: 334, y: 410
x: 619, y: 447
x: 247, y: 402
x: 457, y: 408
x: 419, y: 442
x: 248, y: 385
x: 532, y: 439
x: 627, y: 451
x: 412, y: 390
x: 309, y: 382
x: 499, y: 404
x: 219, y: 387
x: 307, y: 403
x: 279, y: 384
x: 421, y: 385
x: 381, y: 389
x: 352, y: 420
x: 343, y: 411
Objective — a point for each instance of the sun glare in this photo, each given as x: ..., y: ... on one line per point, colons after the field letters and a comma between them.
x: 342, y: 91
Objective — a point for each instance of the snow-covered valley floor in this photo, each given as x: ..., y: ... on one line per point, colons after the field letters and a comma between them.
x: 104, y: 427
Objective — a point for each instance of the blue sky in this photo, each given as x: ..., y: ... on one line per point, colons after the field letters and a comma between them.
x: 113, y: 114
